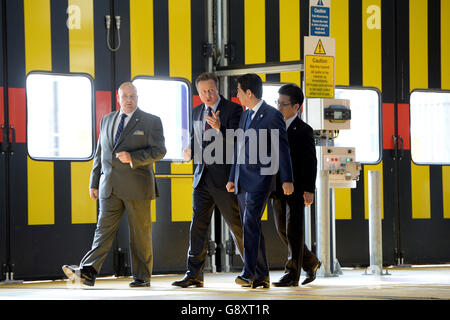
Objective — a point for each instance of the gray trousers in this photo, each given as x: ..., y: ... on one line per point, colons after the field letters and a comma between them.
x: 140, y: 228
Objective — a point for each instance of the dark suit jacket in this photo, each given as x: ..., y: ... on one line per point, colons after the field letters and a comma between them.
x: 229, y: 116
x: 303, y: 158
x: 248, y: 176
x: 143, y: 138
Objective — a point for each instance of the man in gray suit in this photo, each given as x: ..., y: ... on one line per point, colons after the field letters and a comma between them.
x: 122, y: 178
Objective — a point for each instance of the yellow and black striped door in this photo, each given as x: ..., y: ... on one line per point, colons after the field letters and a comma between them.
x: 424, y: 198
x: 52, y: 218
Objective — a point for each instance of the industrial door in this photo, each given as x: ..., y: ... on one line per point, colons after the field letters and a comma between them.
x: 47, y: 218
x: 401, y: 49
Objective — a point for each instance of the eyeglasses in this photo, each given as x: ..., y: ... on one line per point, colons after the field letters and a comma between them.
x: 282, y: 104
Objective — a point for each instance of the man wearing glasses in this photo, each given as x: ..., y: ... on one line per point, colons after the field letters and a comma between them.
x: 289, y: 209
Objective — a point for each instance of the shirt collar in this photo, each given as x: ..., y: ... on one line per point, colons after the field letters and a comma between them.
x: 128, y: 114
x: 290, y: 120
x: 257, y: 106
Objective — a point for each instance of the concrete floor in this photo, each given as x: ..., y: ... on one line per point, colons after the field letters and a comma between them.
x: 416, y: 282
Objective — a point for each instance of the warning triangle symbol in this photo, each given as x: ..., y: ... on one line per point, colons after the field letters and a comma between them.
x: 320, y: 3
x: 319, y: 48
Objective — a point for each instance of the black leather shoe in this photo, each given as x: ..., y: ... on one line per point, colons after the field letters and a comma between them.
x: 243, y: 282
x: 265, y: 283
x: 311, y: 274
x: 136, y: 283
x: 76, y: 273
x: 286, y: 281
x: 187, y: 282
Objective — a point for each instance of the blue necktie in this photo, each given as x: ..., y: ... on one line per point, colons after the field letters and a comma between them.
x: 249, y: 119
x: 120, y: 128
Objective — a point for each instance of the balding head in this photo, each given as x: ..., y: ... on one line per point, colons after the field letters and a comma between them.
x: 127, y: 97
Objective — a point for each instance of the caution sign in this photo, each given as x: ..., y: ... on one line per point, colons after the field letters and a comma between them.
x: 319, y: 63
x: 319, y: 48
x: 319, y: 17
x: 319, y: 77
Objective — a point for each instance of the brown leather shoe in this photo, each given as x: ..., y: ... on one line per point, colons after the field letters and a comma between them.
x: 243, y: 282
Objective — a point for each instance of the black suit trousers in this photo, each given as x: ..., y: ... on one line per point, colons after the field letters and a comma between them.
x: 205, y: 197
x: 290, y: 223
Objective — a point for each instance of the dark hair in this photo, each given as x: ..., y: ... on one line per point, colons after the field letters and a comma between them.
x: 251, y: 81
x: 205, y: 76
x: 294, y: 93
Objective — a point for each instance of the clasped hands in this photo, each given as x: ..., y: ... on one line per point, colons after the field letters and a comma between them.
x: 288, y: 187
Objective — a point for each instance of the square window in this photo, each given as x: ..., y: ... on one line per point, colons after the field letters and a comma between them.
x: 59, y: 116
x: 430, y: 129
x: 170, y: 100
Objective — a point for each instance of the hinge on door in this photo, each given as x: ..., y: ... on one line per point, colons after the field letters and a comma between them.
x: 6, y: 145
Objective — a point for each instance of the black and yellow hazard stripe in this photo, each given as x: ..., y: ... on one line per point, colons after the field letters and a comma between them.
x: 339, y: 30
x: 60, y: 64
x: 81, y: 53
x: 38, y: 56
x: 418, y: 66
x: 445, y: 85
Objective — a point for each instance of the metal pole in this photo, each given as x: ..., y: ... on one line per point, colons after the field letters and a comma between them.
x: 308, y: 227
x: 375, y: 231
x: 323, y: 223
x: 210, y: 31
x: 336, y: 267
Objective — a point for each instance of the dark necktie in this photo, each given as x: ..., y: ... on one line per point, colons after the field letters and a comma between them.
x: 207, y: 126
x: 249, y: 119
x: 120, y: 128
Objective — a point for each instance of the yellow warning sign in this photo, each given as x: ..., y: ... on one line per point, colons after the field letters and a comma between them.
x: 319, y: 48
x: 319, y: 76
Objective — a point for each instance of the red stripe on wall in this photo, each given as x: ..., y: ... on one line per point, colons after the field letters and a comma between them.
x: 388, y: 125
x: 17, y: 113
x: 196, y: 101
x: 103, y: 102
x: 403, y: 124
x: 236, y: 99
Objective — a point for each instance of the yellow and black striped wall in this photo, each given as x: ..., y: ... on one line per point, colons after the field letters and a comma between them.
x: 394, y: 47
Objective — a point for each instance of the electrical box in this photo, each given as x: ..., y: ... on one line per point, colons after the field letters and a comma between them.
x: 328, y: 114
x: 339, y: 162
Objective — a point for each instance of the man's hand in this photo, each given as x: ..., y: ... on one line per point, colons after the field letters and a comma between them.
x: 288, y: 188
x: 124, y: 157
x: 93, y: 193
x: 214, y: 121
x: 187, y: 154
x: 309, y: 198
x: 230, y: 186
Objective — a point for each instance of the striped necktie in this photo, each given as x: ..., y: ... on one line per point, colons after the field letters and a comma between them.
x: 120, y: 128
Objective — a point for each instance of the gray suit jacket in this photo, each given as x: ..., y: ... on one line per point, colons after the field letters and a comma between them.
x: 143, y: 138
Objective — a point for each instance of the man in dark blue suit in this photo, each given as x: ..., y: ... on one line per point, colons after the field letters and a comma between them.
x: 252, y: 176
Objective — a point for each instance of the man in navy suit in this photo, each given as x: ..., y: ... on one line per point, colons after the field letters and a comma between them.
x: 252, y: 177
x: 289, y: 210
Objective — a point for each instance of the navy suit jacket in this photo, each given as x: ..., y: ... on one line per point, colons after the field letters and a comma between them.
x: 248, y: 176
